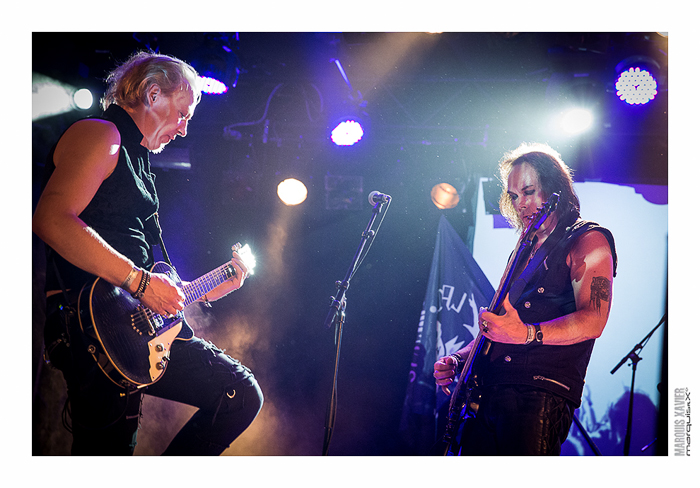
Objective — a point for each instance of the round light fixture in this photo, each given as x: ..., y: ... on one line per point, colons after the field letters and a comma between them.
x: 347, y: 133
x: 636, y: 86
x: 444, y: 196
x: 292, y: 192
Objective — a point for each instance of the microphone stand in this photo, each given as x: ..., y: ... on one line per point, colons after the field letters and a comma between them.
x: 634, y: 357
x: 336, y: 315
x: 587, y: 437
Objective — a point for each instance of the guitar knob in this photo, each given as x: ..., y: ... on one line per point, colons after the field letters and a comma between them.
x: 160, y: 366
x: 160, y: 348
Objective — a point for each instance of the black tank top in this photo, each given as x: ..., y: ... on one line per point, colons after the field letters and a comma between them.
x: 122, y: 209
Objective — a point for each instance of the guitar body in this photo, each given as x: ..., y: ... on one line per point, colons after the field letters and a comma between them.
x: 130, y: 344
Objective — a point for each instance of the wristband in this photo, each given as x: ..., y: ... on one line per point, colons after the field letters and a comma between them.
x: 530, y: 334
x: 130, y: 278
x: 145, y: 280
x: 457, y: 358
x: 539, y: 337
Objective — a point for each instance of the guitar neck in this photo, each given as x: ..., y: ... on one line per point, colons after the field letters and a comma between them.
x: 194, y: 290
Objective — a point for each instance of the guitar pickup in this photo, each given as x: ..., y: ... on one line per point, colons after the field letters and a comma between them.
x: 143, y: 321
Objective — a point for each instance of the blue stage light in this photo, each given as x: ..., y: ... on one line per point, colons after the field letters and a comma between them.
x: 636, y: 86
x: 347, y: 133
x: 212, y: 86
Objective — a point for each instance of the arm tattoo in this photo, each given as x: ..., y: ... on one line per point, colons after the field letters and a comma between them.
x: 600, y: 292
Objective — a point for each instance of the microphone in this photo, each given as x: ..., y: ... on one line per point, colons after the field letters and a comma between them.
x: 375, y: 197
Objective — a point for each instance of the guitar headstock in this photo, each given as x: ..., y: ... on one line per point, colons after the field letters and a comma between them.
x: 542, y: 213
x: 246, y: 254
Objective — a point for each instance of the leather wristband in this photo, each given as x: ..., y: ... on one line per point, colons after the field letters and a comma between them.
x: 458, y: 359
x: 145, y: 280
x: 539, y: 337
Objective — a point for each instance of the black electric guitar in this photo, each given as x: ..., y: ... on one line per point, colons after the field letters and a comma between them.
x: 130, y: 343
x: 465, y: 400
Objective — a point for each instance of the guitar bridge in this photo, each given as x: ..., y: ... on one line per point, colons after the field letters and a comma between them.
x: 144, y: 322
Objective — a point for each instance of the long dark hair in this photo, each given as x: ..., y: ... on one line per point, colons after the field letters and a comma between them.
x: 554, y: 176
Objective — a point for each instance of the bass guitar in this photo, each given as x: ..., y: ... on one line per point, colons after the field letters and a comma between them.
x: 130, y: 343
x: 465, y: 399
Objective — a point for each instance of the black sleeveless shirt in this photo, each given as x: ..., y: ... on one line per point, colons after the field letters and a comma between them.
x: 547, y: 295
x: 122, y: 209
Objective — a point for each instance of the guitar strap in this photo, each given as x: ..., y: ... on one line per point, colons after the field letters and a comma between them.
x: 159, y: 233
x: 537, y: 262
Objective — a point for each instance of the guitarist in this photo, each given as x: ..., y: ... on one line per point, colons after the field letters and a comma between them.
x: 96, y: 216
x: 541, y: 340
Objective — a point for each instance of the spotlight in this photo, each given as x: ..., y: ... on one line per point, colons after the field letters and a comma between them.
x: 292, y: 191
x: 444, y: 196
x: 212, y: 86
x: 576, y: 121
x: 347, y: 133
x: 636, y: 86
x: 217, y: 64
x: 348, y: 129
x: 83, y: 99
x: 51, y: 97
x: 636, y: 83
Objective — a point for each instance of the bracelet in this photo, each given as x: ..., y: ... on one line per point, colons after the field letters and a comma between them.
x: 530, y: 334
x: 130, y: 277
x: 457, y: 358
x: 145, y: 280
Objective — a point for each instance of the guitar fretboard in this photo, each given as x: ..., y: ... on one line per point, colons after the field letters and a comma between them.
x: 196, y: 289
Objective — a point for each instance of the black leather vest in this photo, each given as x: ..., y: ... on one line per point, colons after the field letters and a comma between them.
x: 547, y: 295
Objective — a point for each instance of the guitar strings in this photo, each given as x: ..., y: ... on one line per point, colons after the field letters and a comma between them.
x: 203, y: 285
x: 144, y: 320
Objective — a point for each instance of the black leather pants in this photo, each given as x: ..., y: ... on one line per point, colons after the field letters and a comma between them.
x: 517, y: 421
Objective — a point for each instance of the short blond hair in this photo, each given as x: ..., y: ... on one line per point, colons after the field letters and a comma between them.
x: 128, y: 84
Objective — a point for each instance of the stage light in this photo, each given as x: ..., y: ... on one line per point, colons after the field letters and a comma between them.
x: 212, y: 86
x: 292, y: 191
x: 347, y: 133
x: 83, y: 99
x: 217, y: 64
x: 444, y: 196
x: 636, y: 86
x: 350, y: 127
x: 576, y: 121
x: 636, y: 82
x: 51, y: 97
